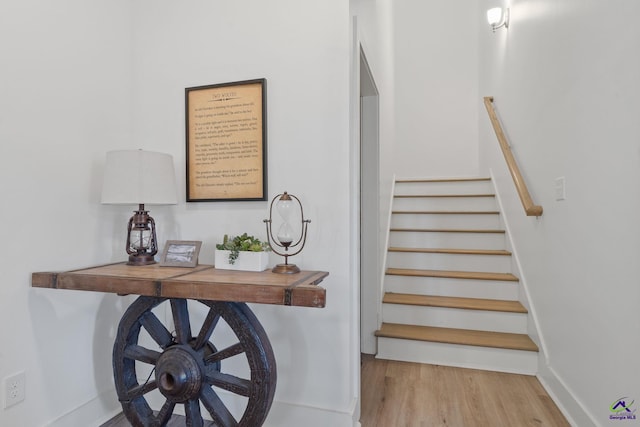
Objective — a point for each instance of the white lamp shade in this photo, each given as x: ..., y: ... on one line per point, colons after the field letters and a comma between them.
x: 494, y: 15
x: 137, y: 176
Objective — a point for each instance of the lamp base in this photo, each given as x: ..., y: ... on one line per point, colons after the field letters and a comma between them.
x: 285, y: 269
x: 141, y: 259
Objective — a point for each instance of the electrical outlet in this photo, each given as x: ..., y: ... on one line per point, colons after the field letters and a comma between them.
x: 14, y: 389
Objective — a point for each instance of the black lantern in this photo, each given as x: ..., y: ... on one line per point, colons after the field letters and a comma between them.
x: 142, y: 243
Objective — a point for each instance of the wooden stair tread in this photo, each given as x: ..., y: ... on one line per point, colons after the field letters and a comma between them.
x: 417, y: 196
x: 454, y: 302
x: 443, y: 180
x: 478, y: 275
x: 451, y: 251
x: 447, y: 212
x: 446, y: 230
x: 458, y: 336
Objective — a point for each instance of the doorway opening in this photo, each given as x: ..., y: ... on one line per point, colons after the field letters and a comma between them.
x: 369, y: 208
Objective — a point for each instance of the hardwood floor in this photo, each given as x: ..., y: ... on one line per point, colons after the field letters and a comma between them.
x: 176, y: 421
x: 401, y: 394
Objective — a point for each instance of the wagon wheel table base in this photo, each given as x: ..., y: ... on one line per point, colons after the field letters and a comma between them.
x: 180, y: 363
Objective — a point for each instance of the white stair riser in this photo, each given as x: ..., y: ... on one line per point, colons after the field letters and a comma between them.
x: 456, y: 262
x: 492, y: 359
x: 490, y: 289
x: 445, y: 203
x: 456, y: 221
x: 447, y: 240
x: 455, y: 187
x: 443, y: 317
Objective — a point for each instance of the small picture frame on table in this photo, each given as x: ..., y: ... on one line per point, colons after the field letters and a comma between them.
x: 180, y: 253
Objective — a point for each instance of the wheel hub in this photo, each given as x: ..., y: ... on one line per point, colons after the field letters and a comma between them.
x: 179, y: 373
x: 185, y: 372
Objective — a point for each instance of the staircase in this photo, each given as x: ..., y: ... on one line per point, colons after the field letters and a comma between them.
x: 451, y: 297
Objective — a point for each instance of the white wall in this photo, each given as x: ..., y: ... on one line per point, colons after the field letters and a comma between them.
x: 373, y: 38
x: 302, y: 49
x: 65, y: 95
x: 80, y: 79
x: 566, y: 88
x: 376, y: 39
x: 435, y: 60
x: 423, y: 56
x: 426, y: 76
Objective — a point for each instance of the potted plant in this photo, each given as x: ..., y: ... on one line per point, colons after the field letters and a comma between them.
x: 242, y: 252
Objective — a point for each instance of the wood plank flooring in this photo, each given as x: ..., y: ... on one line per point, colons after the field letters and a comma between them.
x: 454, y: 302
x: 498, y: 252
x: 457, y: 336
x: 474, y: 275
x: 401, y: 394
x: 176, y: 421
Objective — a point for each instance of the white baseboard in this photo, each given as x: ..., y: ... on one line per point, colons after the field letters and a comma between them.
x: 575, y: 413
x: 295, y: 415
x: 86, y: 414
x: 282, y: 414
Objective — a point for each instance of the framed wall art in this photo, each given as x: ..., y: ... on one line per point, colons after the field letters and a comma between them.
x: 226, y: 134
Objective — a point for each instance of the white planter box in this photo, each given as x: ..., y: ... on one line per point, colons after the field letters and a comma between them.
x: 248, y: 261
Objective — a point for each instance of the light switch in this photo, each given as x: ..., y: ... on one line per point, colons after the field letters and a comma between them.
x: 560, y: 188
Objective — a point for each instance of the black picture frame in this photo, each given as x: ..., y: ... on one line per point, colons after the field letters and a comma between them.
x: 226, y: 141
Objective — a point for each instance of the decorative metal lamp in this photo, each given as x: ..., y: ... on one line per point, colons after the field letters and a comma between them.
x: 498, y: 18
x: 286, y: 207
x: 139, y: 177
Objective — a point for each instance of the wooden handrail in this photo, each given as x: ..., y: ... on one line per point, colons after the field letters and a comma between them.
x: 530, y: 208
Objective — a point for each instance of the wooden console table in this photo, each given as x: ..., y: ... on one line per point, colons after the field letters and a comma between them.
x: 187, y: 366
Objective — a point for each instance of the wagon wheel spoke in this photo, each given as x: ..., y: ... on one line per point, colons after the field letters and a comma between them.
x: 165, y: 413
x: 141, y: 390
x: 190, y: 370
x: 156, y: 329
x: 217, y: 409
x: 181, y: 320
x: 192, y: 411
x: 208, y: 326
x: 225, y: 353
x: 141, y: 354
x: 227, y: 382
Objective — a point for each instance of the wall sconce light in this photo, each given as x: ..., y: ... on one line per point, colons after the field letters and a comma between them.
x: 136, y: 177
x: 497, y: 18
x: 286, y: 235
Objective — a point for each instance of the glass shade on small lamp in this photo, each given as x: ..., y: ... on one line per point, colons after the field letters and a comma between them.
x: 494, y: 15
x: 137, y: 177
x: 285, y: 207
x: 290, y: 211
x: 498, y: 19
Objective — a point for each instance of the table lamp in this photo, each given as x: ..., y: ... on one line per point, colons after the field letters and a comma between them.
x: 137, y: 177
